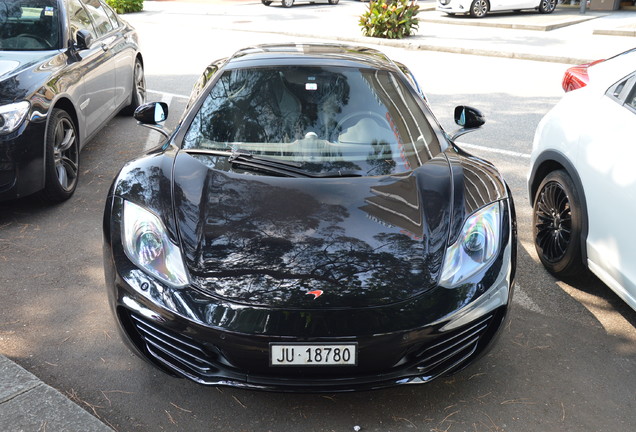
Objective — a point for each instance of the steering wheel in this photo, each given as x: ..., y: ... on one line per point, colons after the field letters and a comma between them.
x: 381, y: 120
x: 36, y: 38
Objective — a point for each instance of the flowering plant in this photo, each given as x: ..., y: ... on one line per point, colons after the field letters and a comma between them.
x: 392, y: 19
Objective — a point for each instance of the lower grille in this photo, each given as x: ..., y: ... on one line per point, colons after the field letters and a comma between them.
x: 454, y: 348
x: 174, y: 350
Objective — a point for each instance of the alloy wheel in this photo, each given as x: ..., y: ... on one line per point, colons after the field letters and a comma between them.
x: 547, y: 6
x: 140, y: 83
x: 65, y: 154
x: 479, y: 8
x: 553, y: 219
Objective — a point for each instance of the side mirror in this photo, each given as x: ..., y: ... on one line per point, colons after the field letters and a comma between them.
x: 151, y: 114
x: 469, y: 119
x: 84, y: 39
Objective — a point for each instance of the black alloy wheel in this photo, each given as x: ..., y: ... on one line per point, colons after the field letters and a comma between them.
x: 557, y: 225
x: 138, y: 93
x: 266, y: 2
x: 479, y: 8
x: 333, y: 1
x: 62, y: 157
x: 547, y: 6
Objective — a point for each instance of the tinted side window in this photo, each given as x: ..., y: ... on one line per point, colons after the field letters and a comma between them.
x: 79, y: 19
x: 98, y: 14
x: 618, y: 91
x: 113, y: 17
x: 631, y: 99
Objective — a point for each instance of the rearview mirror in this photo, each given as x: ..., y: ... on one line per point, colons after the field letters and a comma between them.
x: 469, y: 119
x: 84, y: 39
x: 152, y: 113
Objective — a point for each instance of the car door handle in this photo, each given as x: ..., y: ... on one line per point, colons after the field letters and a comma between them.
x: 105, y: 47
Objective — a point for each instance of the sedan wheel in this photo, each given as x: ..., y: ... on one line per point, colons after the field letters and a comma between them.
x: 266, y: 2
x: 547, y: 6
x: 288, y: 3
x: 479, y: 8
x: 557, y: 225
x: 333, y: 1
x: 138, y: 96
x: 62, y: 157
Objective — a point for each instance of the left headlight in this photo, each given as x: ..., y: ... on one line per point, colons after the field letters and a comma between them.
x: 475, y: 248
x: 12, y: 115
x: 146, y: 244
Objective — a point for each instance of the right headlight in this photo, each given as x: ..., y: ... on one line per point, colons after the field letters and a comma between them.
x: 475, y: 248
x: 12, y: 115
x: 146, y: 243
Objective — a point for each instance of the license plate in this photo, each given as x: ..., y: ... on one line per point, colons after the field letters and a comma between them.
x: 313, y: 355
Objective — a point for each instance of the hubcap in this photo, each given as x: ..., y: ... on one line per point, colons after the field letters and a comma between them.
x: 65, y: 154
x: 553, y: 222
x: 548, y: 5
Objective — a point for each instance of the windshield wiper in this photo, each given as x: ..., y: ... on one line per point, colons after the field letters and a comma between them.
x: 287, y: 168
x: 248, y: 160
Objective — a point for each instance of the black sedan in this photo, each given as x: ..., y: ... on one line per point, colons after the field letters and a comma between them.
x: 66, y: 68
x: 309, y: 226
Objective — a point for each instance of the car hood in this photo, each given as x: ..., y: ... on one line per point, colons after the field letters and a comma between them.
x: 23, y: 72
x: 302, y: 242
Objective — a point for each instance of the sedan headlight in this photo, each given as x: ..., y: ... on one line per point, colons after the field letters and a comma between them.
x: 476, y: 247
x: 146, y: 244
x: 12, y: 115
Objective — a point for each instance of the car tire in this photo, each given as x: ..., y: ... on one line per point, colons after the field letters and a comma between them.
x: 138, y: 96
x: 266, y: 2
x: 557, y: 221
x: 62, y: 157
x: 547, y: 6
x: 333, y: 1
x: 479, y: 8
x: 288, y: 3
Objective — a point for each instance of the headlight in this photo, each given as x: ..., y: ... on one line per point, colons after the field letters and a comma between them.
x: 12, y: 115
x: 146, y: 243
x: 476, y: 247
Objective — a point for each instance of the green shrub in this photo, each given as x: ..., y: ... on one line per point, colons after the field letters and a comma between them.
x: 125, y: 6
x: 392, y: 19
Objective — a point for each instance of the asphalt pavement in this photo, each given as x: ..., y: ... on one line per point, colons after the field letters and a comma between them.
x: 566, y: 36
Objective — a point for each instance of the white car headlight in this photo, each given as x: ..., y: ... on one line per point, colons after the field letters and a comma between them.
x: 12, y: 115
x: 476, y: 247
x: 146, y: 244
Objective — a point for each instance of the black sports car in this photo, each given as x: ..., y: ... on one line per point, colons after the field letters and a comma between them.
x: 66, y: 68
x: 309, y: 226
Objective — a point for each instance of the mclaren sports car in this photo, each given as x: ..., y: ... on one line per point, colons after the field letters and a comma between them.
x: 309, y: 226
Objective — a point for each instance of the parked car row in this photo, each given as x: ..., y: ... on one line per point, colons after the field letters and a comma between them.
x: 309, y: 225
x: 68, y: 67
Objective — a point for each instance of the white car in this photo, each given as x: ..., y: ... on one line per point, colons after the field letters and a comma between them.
x: 290, y: 3
x: 479, y: 8
x: 582, y: 182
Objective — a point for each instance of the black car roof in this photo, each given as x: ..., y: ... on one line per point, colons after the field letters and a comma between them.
x: 311, y: 52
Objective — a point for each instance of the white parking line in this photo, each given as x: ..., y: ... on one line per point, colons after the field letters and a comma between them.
x: 172, y: 95
x: 494, y: 150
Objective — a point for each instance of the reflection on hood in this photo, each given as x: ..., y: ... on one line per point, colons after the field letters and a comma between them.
x: 269, y: 240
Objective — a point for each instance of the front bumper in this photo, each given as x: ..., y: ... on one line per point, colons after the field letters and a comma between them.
x: 211, y: 341
x: 22, y: 161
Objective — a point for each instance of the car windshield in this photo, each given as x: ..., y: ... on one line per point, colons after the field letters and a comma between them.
x: 29, y: 25
x: 318, y: 117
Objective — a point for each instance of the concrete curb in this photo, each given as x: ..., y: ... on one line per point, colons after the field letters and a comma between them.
x: 27, y: 404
